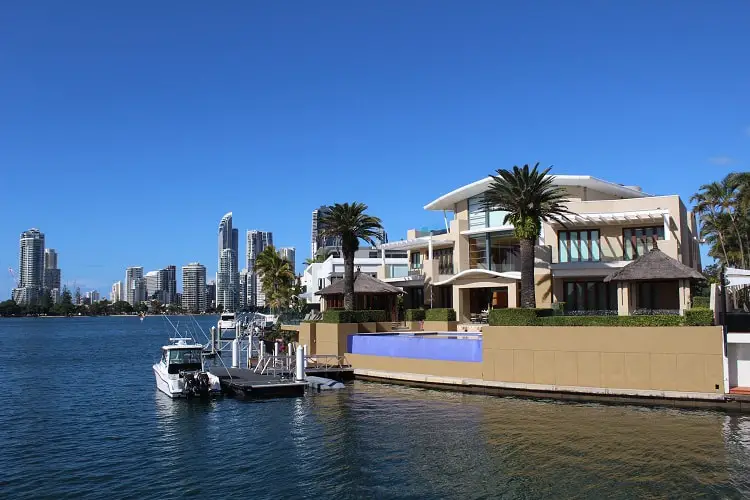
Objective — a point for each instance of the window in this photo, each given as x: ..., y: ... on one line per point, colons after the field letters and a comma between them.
x: 373, y: 255
x: 639, y: 240
x: 415, y: 260
x: 503, y: 253
x: 480, y: 218
x: 589, y: 296
x: 478, y: 253
x: 444, y: 256
x: 579, y: 246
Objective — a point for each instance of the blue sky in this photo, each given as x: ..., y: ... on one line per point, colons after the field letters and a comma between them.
x: 127, y: 129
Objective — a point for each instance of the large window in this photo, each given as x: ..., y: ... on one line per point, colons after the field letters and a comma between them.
x: 589, y: 296
x: 480, y: 218
x: 415, y: 260
x: 495, y: 251
x: 579, y: 246
x: 444, y: 256
x: 639, y: 240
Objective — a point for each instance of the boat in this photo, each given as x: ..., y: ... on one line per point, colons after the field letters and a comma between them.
x: 227, y: 321
x: 180, y: 372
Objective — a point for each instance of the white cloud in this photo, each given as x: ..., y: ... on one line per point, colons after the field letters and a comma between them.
x: 722, y: 160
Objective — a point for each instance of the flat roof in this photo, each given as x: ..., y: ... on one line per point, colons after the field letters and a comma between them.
x: 447, y: 201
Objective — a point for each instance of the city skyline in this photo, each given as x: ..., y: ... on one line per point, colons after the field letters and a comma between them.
x: 462, y: 92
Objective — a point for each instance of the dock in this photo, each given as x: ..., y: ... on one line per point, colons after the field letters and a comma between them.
x: 245, y: 384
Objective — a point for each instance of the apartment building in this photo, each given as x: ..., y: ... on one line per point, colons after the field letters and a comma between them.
x: 473, y: 264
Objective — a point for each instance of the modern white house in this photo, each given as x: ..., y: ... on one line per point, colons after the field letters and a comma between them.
x: 369, y: 261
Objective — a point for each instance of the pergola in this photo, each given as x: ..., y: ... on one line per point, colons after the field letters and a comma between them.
x: 653, y: 281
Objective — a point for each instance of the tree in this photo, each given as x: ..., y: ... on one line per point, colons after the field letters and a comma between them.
x: 9, y: 308
x: 156, y: 307
x: 724, y: 211
x: 529, y: 197
x: 122, y: 307
x: 66, y: 306
x: 277, y: 277
x: 350, y: 223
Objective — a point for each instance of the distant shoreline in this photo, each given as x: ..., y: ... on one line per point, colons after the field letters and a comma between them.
x: 101, y: 316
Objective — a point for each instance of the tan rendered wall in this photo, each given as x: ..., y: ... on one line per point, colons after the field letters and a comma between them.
x: 423, y: 366
x: 687, y: 359
x: 331, y: 337
x: 307, y: 336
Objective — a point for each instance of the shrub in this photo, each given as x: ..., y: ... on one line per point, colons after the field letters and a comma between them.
x: 339, y: 316
x: 650, y: 320
x: 701, y: 302
x: 699, y: 316
x: 362, y: 316
x: 517, y: 316
x: 440, y: 315
x: 415, y: 314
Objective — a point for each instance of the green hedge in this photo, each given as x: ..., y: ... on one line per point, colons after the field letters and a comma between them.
x: 363, y: 316
x: 414, y: 314
x: 517, y: 316
x: 699, y: 316
x: 440, y: 315
x: 544, y: 317
x: 652, y: 320
x: 701, y: 302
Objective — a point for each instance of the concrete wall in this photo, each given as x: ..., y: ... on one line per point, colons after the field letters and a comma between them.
x: 423, y: 366
x: 307, y: 336
x: 331, y: 338
x: 687, y: 359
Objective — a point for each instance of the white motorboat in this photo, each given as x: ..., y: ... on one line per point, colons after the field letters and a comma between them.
x: 227, y: 321
x: 180, y: 373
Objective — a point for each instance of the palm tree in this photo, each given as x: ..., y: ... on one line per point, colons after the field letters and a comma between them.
x: 721, y: 198
x: 530, y: 198
x: 350, y: 223
x: 276, y: 275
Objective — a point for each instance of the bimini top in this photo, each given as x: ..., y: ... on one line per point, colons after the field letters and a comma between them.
x: 447, y: 201
x: 182, y: 343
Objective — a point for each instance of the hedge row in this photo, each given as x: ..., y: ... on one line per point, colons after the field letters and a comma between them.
x: 544, y: 317
x: 363, y: 316
x: 701, y: 302
x: 440, y: 315
x: 414, y: 314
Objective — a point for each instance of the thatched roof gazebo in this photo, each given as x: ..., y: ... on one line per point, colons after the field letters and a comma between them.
x: 369, y: 293
x: 653, y: 281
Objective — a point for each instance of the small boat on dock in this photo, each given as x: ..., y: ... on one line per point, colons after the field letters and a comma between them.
x: 180, y: 371
x: 227, y: 321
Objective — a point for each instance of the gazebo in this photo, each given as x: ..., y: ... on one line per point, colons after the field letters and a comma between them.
x: 653, y: 281
x: 369, y: 293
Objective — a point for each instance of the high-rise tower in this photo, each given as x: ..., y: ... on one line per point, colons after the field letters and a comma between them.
x: 228, y: 277
x: 194, y: 288
x: 30, y: 267
x: 257, y: 241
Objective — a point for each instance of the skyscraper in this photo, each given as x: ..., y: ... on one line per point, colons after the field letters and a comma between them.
x: 115, y: 295
x: 169, y: 284
x: 51, y: 271
x: 93, y: 296
x: 194, y: 288
x: 131, y: 274
x: 210, y: 294
x: 288, y: 253
x: 153, y: 285
x: 244, y: 275
x: 318, y: 241
x: 139, y: 290
x: 228, y: 277
x: 30, y: 267
x: 256, y: 242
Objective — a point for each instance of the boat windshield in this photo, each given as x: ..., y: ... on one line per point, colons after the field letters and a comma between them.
x: 227, y: 317
x: 184, y: 359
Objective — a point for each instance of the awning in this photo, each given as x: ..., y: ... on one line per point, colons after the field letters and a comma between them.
x: 737, y: 277
x: 656, y: 215
x: 480, y: 274
x: 421, y: 242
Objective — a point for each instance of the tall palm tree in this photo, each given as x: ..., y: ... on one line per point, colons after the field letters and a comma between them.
x: 721, y: 197
x: 277, y: 277
x: 350, y: 223
x: 313, y: 260
x: 530, y: 198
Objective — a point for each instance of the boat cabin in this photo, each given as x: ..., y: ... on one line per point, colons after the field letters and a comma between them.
x: 182, y: 357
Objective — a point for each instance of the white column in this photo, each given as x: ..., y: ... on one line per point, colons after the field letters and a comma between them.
x: 665, y: 217
x: 429, y: 248
x: 300, y: 364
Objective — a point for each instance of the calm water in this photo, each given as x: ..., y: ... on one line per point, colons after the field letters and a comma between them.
x: 82, y: 419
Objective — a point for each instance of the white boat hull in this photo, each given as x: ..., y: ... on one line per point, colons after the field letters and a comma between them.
x: 171, y: 385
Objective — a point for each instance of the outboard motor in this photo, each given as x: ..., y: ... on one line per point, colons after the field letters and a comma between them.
x: 195, y: 385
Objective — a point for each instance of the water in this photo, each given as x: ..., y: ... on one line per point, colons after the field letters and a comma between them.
x: 82, y: 419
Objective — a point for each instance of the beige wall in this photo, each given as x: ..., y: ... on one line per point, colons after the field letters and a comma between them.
x: 687, y: 359
x: 331, y: 337
x: 307, y: 336
x: 423, y: 366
